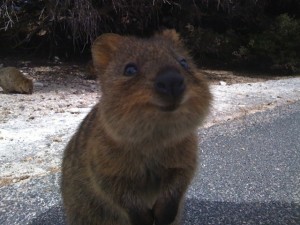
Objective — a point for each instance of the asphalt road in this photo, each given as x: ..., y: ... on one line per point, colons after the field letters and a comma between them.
x: 249, y: 174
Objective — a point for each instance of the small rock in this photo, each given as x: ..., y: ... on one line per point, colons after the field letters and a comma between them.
x: 21, y: 107
x: 57, y: 139
x: 223, y: 83
x: 76, y: 92
x: 78, y: 110
x: 38, y: 84
x: 60, y: 111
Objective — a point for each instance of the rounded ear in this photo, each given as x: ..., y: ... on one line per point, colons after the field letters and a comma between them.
x: 103, y: 49
x: 171, y: 35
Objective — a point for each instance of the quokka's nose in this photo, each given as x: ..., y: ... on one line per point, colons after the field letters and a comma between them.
x: 170, y: 83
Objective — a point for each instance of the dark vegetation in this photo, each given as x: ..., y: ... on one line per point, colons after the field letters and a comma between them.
x: 258, y: 34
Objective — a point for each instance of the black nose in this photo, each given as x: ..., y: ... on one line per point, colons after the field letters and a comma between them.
x: 170, y: 83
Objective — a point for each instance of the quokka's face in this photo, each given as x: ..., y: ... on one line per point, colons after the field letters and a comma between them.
x: 155, y: 75
x: 27, y: 86
x: 152, y: 80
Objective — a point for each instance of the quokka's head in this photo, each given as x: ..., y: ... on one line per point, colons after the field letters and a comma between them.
x: 148, y: 85
x: 27, y: 86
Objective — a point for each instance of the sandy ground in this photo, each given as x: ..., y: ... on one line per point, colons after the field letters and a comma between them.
x: 34, y: 129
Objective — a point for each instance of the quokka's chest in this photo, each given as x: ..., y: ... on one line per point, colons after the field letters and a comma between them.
x: 151, y: 185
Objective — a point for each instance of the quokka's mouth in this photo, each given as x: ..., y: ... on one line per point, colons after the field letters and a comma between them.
x: 169, y: 108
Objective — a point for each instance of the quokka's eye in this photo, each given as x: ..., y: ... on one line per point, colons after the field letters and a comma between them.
x: 184, y: 64
x: 130, y: 70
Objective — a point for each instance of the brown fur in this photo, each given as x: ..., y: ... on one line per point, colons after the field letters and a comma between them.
x: 132, y: 158
x: 13, y: 81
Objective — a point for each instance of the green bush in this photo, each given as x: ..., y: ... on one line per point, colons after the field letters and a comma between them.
x: 62, y: 26
x: 219, y: 33
x: 211, y: 47
x: 278, y: 46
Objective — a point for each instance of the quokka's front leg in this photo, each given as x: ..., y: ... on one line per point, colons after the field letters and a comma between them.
x: 167, y: 209
x: 127, y: 196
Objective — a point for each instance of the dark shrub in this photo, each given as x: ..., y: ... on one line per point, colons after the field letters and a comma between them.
x: 279, y: 46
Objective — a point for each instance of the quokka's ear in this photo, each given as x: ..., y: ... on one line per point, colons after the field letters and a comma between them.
x: 171, y: 35
x: 103, y: 50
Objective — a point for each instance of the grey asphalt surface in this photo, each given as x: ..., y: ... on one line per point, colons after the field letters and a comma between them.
x: 249, y: 173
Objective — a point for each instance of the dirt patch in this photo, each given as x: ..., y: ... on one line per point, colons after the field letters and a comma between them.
x: 7, y: 181
x: 34, y: 129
